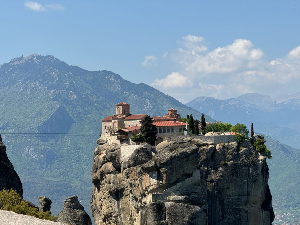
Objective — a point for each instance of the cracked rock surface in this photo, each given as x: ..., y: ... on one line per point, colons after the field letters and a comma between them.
x: 179, y: 182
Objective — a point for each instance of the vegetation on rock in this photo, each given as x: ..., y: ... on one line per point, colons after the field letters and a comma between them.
x: 138, y: 138
x: 239, y: 138
x: 260, y: 146
x: 10, y: 200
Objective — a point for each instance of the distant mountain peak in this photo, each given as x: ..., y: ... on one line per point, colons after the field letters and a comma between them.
x: 33, y: 58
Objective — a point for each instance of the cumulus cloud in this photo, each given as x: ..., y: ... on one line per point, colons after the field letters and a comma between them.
x: 150, y: 60
x: 173, y: 80
x: 35, y: 6
x: 239, y: 55
x: 229, y: 71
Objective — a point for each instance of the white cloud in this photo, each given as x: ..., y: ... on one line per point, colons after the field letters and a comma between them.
x: 229, y: 71
x: 165, y: 54
x: 150, y: 60
x: 35, y: 6
x: 55, y: 7
x: 173, y: 80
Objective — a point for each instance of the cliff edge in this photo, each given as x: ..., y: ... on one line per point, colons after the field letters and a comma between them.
x: 8, y: 176
x: 182, y: 181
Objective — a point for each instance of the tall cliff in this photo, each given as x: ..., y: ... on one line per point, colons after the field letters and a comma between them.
x: 183, y: 181
x: 8, y: 176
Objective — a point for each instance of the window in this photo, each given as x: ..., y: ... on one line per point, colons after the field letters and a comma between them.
x: 172, y: 130
x: 180, y: 129
x: 164, y: 130
x: 159, y: 130
x: 168, y: 130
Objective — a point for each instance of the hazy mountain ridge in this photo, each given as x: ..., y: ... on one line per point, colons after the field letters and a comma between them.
x: 42, y: 94
x: 279, y: 120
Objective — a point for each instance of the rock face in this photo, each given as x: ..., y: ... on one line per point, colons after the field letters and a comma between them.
x: 183, y: 181
x: 45, y: 204
x: 73, y: 213
x: 8, y: 176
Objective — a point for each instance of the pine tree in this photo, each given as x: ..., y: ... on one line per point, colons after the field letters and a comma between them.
x: 191, y: 124
x: 252, y: 130
x: 203, y: 124
x: 197, y: 127
x: 148, y: 130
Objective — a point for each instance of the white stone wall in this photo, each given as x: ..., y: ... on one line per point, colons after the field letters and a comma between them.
x: 105, y: 126
x: 131, y: 123
x: 176, y: 131
x: 217, y: 139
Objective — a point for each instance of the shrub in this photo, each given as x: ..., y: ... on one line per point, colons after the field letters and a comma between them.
x: 260, y: 146
x: 239, y: 138
x: 138, y: 138
x: 10, y: 200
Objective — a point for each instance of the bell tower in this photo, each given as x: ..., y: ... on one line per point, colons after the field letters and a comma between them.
x: 122, y: 108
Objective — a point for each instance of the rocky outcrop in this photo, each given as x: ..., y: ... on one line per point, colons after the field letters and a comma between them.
x: 45, y: 204
x: 73, y: 213
x: 12, y: 218
x: 9, y: 179
x: 180, y: 182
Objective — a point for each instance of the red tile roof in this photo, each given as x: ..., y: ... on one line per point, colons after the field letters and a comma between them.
x: 129, y: 129
x: 122, y: 103
x: 107, y: 119
x: 162, y: 118
x: 135, y: 117
x: 168, y: 123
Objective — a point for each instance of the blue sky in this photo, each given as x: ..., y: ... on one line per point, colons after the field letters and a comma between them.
x: 185, y: 49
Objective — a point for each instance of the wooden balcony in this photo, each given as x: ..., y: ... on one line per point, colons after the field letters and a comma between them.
x: 122, y: 137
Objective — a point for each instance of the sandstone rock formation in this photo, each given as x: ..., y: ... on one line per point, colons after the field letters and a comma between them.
x: 45, y: 204
x: 183, y: 181
x: 8, y: 176
x: 73, y: 213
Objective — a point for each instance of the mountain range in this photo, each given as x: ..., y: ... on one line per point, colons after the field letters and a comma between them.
x: 50, y: 121
x: 51, y: 116
x: 278, y: 119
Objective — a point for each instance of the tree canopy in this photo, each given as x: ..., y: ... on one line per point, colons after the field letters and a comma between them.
x: 203, y: 124
x: 240, y: 128
x: 148, y: 130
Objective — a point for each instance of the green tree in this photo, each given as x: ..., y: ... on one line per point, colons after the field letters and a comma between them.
x: 191, y: 124
x: 252, y: 130
x: 239, y: 138
x: 260, y: 146
x: 203, y: 124
x: 184, y: 120
x: 138, y: 138
x: 224, y: 127
x: 218, y: 127
x: 240, y: 128
x: 148, y: 130
x: 197, y: 127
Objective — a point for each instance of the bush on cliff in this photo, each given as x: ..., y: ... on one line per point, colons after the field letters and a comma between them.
x: 260, y: 146
x: 239, y: 138
x: 10, y: 200
x: 138, y: 138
